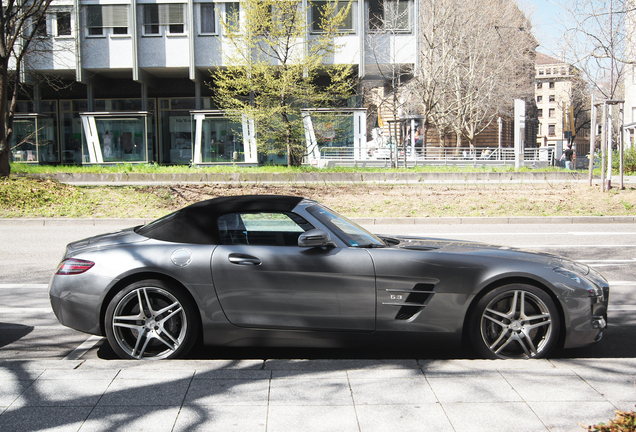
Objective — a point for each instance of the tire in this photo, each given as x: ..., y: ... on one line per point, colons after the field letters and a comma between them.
x: 514, y: 322
x: 151, y: 320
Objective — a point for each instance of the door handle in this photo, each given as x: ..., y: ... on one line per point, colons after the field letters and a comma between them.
x: 241, y: 259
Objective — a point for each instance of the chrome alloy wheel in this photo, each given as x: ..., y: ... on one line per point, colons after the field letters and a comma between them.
x: 517, y: 324
x: 149, y: 323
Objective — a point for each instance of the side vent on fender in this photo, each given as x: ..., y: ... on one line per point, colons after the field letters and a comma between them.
x: 416, y: 299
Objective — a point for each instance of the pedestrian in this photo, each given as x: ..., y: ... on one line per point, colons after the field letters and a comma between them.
x: 569, y: 156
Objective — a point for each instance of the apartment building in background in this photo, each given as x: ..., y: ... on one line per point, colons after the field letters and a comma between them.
x: 127, y: 81
x: 560, y: 103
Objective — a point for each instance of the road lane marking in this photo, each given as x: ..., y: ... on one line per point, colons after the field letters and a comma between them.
x: 500, y: 233
x: 621, y: 308
x: 83, y: 348
x: 8, y: 310
x: 31, y: 286
x: 621, y: 283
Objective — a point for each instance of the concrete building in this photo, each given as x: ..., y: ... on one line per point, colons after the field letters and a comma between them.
x: 125, y: 81
x: 560, y: 104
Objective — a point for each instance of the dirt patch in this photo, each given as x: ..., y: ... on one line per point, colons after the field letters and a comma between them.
x: 370, y: 200
x: 45, y: 198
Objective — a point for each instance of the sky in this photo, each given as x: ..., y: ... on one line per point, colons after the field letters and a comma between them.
x: 546, y: 17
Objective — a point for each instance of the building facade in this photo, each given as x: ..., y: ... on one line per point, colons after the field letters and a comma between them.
x: 560, y: 104
x: 127, y: 81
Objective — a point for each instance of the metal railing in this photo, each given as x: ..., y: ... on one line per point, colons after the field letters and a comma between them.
x: 385, y: 156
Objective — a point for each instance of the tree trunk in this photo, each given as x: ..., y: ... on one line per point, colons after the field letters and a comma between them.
x: 5, y: 138
x: 5, y: 168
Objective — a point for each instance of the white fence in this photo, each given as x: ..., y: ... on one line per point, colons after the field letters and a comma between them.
x: 384, y: 156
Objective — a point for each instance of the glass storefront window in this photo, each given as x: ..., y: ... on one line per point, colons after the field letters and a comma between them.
x: 333, y: 129
x: 115, y: 137
x: 221, y: 141
x: 176, y: 137
x: 71, y: 130
x: 34, y: 139
x: 24, y: 146
x: 121, y: 139
x: 175, y: 130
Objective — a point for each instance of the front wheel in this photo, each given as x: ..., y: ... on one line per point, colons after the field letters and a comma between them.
x: 151, y: 320
x: 514, y: 322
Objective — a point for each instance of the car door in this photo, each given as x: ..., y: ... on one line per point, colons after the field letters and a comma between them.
x: 263, y: 279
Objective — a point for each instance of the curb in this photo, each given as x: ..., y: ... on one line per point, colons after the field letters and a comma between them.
x: 56, y: 222
x: 315, y: 177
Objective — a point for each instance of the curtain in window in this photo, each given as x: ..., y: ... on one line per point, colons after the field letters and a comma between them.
x: 107, y: 16
x: 171, y: 14
x: 208, y: 18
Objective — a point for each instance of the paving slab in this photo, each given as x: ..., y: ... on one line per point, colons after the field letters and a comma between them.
x: 403, y: 418
x: 473, y: 389
x: 312, y: 419
x: 304, y: 391
x: 394, y: 391
x: 228, y: 392
x: 131, y: 418
x: 493, y: 417
x: 572, y: 417
x: 222, y: 418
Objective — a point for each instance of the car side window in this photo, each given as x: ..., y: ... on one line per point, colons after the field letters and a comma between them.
x: 262, y: 228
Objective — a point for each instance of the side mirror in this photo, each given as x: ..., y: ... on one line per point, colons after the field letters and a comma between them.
x: 315, y: 238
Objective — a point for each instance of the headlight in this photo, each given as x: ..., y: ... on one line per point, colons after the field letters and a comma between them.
x: 593, y: 290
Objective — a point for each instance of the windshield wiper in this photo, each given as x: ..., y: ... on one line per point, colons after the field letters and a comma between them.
x: 371, y: 246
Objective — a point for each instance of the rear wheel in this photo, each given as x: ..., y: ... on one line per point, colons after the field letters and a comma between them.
x: 151, y: 320
x: 514, y: 322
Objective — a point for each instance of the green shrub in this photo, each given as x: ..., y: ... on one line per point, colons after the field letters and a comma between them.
x: 629, y: 161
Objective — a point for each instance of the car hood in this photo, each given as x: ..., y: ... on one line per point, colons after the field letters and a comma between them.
x: 116, y: 238
x: 488, y: 250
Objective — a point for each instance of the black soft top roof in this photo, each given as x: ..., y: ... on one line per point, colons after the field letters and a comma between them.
x: 197, y: 223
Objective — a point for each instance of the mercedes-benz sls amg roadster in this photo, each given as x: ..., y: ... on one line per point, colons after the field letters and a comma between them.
x: 288, y: 271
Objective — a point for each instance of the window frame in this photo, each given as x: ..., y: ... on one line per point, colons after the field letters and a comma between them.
x: 376, y: 7
x: 41, y: 30
x: 68, y: 14
x: 159, y: 16
x: 232, y: 15
x: 315, y: 29
x: 117, y: 14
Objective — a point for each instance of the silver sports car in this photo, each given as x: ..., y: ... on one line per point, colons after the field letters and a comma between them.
x: 287, y: 271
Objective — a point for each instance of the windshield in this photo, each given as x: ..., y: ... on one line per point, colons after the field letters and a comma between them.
x: 346, y: 230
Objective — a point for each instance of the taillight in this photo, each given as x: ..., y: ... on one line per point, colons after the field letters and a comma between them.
x: 73, y: 266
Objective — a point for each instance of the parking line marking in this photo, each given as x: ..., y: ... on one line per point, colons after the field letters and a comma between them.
x: 83, y: 348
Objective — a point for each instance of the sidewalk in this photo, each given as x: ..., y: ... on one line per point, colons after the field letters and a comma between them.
x: 316, y: 395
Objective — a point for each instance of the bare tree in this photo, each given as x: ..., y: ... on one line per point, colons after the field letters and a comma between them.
x: 596, y: 40
x: 21, y: 24
x: 486, y: 62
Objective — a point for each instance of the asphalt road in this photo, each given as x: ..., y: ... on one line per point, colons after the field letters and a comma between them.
x: 30, y: 255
